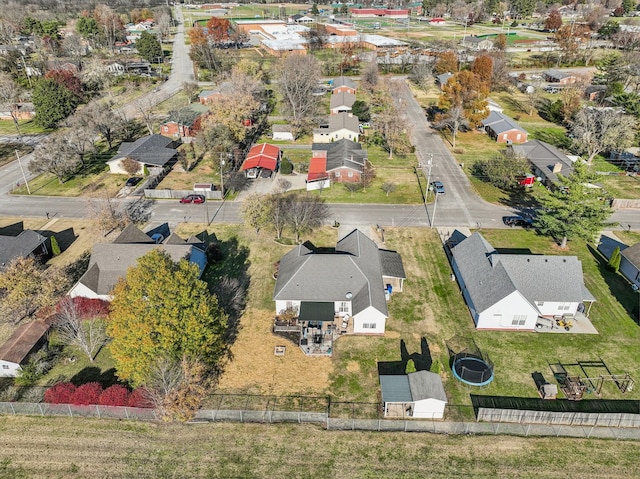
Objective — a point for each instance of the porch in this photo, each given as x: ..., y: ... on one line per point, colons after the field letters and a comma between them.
x: 568, y: 323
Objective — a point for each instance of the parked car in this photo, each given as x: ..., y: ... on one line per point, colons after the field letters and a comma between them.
x: 517, y: 220
x: 193, y: 199
x: 437, y: 187
x: 133, y: 181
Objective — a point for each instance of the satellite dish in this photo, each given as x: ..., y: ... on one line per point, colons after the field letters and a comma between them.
x: 349, y: 295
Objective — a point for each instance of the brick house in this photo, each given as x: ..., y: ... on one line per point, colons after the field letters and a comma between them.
x: 343, y: 161
x: 344, y: 84
x: 503, y: 128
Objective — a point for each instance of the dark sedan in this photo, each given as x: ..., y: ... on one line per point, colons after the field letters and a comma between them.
x: 517, y: 220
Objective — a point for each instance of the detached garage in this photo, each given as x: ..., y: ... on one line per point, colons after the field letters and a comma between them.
x: 419, y: 395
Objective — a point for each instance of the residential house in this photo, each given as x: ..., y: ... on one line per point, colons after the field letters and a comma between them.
x: 345, y: 285
x: 298, y: 18
x: 184, y: 123
x: 341, y: 102
x: 492, y: 105
x: 153, y: 151
x: 343, y: 161
x: 22, y: 244
x: 22, y: 111
x: 282, y: 133
x: 595, y: 92
x: 477, y: 43
x: 140, y: 67
x: 510, y: 291
x: 343, y: 84
x: 109, y: 261
x: 443, y: 79
x: 419, y: 394
x: 503, y: 128
x: 557, y: 76
x: 262, y: 160
x: 207, y: 96
x: 630, y: 264
x: 337, y: 127
x: 546, y: 160
x: 26, y: 340
x: 437, y: 21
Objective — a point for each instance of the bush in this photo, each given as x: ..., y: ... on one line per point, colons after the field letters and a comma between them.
x: 88, y: 393
x: 286, y: 167
x: 88, y: 307
x: 410, y: 368
x: 139, y: 398
x: 55, y: 247
x: 60, y: 393
x: 116, y: 395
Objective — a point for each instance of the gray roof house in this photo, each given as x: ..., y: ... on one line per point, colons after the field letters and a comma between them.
x: 630, y: 264
x: 343, y: 83
x: 152, y: 150
x: 546, y: 160
x: 109, y: 261
x: 337, y: 127
x: 341, y: 102
x: 503, y: 128
x: 443, y: 79
x: 510, y: 291
x: 419, y: 394
x: 349, y: 284
x: 476, y: 43
x: 24, y: 244
x: 340, y: 155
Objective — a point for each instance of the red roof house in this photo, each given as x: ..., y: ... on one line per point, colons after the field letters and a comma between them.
x: 261, y: 157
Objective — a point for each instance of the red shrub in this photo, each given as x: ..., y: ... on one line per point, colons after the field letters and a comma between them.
x: 116, y: 395
x: 60, y: 393
x: 138, y: 398
x: 85, y: 307
x: 88, y: 393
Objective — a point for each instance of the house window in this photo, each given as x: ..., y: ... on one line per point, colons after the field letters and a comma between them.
x: 564, y: 306
x: 344, y: 307
x: 505, y: 136
x: 519, y: 320
x: 350, y: 174
x: 337, y: 174
x: 539, y: 303
x: 518, y: 136
x: 289, y: 304
x: 4, y: 366
x: 368, y: 325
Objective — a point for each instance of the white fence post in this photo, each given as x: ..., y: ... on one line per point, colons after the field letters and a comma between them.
x: 70, y: 412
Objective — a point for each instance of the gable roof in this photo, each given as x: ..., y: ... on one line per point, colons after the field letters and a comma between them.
x: 307, y: 275
x: 499, y: 123
x: 632, y: 255
x: 151, y: 150
x: 344, y: 81
x: 317, y: 168
x: 343, y: 98
x: 12, y: 247
x: 412, y: 387
x: 262, y: 156
x: 131, y: 234
x: 489, y: 276
x: 443, y: 78
x: 22, y: 341
x: 392, y: 266
x: 343, y: 120
x: 343, y: 154
x: 544, y: 157
x: 557, y: 74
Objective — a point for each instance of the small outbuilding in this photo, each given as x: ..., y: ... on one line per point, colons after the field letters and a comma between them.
x: 419, y: 395
x: 27, y: 339
x: 262, y: 159
x: 282, y: 133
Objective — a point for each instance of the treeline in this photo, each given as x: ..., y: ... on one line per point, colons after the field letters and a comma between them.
x: 65, y: 7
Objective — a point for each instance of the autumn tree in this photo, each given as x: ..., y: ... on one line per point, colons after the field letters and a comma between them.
x: 129, y: 165
x: 297, y: 77
x: 597, y: 130
x: 54, y: 155
x: 482, y: 66
x: 569, y: 38
x: 573, y: 209
x: 466, y: 90
x: 67, y: 79
x: 306, y: 213
x: 447, y: 62
x: 83, y: 328
x: 554, y: 21
x: 25, y: 287
x: 218, y: 30
x: 162, y: 309
x: 500, y: 43
x: 110, y: 23
x: 197, y: 36
x: 571, y: 97
x: 255, y: 211
x: 107, y: 216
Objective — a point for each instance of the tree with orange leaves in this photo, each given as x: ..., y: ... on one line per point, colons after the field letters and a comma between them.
x: 483, y: 67
x: 197, y: 36
x: 466, y: 90
x: 218, y: 29
x: 447, y: 62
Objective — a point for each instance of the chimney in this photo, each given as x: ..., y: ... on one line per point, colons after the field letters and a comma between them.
x: 557, y: 168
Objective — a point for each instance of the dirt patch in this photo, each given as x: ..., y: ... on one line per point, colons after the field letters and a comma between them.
x: 255, y: 368
x: 353, y: 366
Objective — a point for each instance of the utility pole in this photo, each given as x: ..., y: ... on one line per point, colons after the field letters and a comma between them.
x: 23, y: 175
x: 221, y: 176
x: 435, y: 205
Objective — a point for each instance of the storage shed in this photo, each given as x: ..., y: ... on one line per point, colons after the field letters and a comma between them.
x: 419, y: 395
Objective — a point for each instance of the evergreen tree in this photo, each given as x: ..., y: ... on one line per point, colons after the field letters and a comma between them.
x: 614, y: 261
x: 573, y: 209
x: 411, y: 367
x: 149, y: 47
x: 53, y: 102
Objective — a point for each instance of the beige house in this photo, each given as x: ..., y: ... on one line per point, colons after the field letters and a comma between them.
x: 337, y: 127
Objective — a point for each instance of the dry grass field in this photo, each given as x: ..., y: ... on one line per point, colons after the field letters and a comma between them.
x: 34, y: 447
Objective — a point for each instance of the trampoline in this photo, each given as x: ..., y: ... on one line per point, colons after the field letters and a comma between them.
x: 472, y: 370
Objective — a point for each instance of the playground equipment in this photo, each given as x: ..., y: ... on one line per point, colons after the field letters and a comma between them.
x: 575, y: 385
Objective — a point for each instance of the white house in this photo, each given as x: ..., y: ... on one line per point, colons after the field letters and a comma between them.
x: 338, y: 127
x: 341, y: 102
x: 630, y: 264
x: 419, y: 395
x: 510, y: 291
x: 28, y: 338
x: 349, y: 283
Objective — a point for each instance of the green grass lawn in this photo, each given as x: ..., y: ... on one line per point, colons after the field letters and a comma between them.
x: 27, y: 127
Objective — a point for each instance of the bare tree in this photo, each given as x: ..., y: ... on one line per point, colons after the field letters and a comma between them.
x: 54, y: 155
x: 162, y: 21
x: 370, y: 76
x: 453, y: 119
x: 80, y: 133
x: 421, y: 74
x: 102, y: 120
x: 107, y: 216
x: 306, y: 213
x: 388, y: 187
x: 596, y: 130
x: 130, y: 165
x: 297, y: 77
x: 190, y: 89
x: 144, y: 106
x: 11, y: 95
x: 277, y: 213
x: 283, y: 185
x: 84, y: 329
